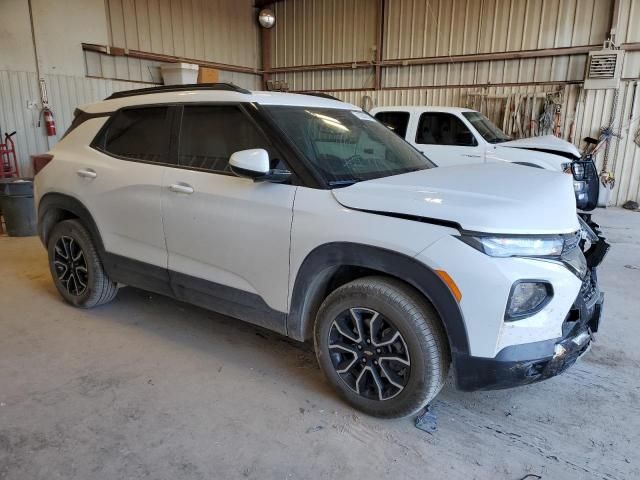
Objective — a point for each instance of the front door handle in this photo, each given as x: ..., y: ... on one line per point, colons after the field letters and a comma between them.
x: 181, y: 188
x: 87, y: 173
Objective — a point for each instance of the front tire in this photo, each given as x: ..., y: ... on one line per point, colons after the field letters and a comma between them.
x: 382, y: 346
x: 76, y: 268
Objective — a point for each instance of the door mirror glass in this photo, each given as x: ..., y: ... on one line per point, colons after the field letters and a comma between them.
x: 252, y: 163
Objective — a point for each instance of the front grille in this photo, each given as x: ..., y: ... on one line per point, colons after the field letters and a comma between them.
x: 584, y: 306
x: 588, y: 288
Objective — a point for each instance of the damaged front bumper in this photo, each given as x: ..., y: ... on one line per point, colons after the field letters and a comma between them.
x: 532, y: 362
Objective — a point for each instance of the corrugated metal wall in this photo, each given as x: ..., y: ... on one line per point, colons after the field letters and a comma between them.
x: 223, y: 31
x: 65, y: 94
x: 106, y: 66
x: 311, y: 32
x: 327, y: 31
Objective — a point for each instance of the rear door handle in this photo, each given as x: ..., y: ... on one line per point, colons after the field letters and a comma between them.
x: 87, y: 173
x: 181, y: 188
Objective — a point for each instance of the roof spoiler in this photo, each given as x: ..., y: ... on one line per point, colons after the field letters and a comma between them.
x: 229, y: 87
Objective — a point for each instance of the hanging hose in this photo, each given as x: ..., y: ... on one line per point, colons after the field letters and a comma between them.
x: 608, y: 133
x: 549, y: 119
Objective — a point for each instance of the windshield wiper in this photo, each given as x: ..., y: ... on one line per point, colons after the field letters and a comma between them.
x: 342, y: 183
x: 498, y: 140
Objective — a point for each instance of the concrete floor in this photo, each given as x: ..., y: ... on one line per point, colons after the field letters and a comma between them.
x: 148, y: 387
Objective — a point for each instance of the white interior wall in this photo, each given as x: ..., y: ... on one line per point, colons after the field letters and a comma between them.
x: 61, y: 27
x: 218, y: 30
x: 16, y: 44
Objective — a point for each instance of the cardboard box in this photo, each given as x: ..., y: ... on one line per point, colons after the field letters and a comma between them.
x: 208, y: 75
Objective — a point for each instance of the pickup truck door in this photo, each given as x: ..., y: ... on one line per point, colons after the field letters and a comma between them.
x: 446, y: 140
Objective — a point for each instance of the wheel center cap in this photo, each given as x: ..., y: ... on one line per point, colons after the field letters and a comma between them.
x: 368, y: 353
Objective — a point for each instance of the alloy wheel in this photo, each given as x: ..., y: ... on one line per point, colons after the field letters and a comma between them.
x: 70, y: 265
x: 369, y: 354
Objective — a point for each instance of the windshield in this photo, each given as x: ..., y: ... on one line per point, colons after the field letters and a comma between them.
x: 347, y: 146
x: 486, y: 128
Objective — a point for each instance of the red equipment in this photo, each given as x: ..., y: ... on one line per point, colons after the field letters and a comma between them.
x: 8, y: 159
x: 49, y: 122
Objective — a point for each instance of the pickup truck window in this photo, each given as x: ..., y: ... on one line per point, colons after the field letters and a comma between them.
x: 486, y: 127
x: 395, y: 121
x: 346, y: 146
x: 439, y: 128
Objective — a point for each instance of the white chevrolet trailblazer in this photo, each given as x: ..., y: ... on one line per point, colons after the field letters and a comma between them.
x: 306, y: 216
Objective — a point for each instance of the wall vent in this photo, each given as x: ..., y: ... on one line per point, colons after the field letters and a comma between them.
x: 604, y: 68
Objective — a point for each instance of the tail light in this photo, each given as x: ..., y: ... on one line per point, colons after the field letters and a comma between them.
x: 40, y: 161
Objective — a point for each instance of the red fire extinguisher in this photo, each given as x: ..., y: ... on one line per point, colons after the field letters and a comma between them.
x: 49, y: 122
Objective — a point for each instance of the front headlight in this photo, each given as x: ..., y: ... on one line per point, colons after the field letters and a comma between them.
x: 586, y: 231
x: 565, y: 249
x: 505, y: 246
x: 575, y: 261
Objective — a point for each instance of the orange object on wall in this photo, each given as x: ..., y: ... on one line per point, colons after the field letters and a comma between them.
x: 208, y: 75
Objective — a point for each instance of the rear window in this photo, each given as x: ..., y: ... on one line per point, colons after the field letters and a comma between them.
x: 395, y: 121
x: 137, y: 134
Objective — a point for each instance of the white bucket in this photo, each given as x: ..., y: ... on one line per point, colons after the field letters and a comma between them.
x: 179, y: 73
x: 604, y: 195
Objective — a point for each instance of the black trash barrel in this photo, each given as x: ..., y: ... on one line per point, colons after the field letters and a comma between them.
x: 16, y: 205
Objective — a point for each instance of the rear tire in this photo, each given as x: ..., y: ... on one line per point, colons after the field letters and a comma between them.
x: 382, y: 346
x: 76, y: 268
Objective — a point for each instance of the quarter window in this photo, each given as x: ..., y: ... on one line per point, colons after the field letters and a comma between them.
x: 438, y: 128
x: 395, y: 121
x: 138, y: 134
x: 210, y: 134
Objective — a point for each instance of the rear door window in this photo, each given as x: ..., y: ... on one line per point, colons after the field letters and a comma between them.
x: 140, y: 134
x: 395, y: 121
x: 439, y: 128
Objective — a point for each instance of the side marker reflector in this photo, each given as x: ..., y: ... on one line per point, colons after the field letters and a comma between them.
x: 451, y: 284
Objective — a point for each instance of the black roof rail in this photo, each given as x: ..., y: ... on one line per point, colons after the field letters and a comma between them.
x: 229, y: 87
x: 322, y: 95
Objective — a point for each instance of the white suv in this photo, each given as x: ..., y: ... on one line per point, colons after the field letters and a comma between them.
x: 306, y: 216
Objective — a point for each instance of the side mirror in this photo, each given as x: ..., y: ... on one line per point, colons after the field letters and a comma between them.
x: 253, y: 163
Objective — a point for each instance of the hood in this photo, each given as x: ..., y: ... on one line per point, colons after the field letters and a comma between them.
x: 547, y: 143
x: 491, y: 198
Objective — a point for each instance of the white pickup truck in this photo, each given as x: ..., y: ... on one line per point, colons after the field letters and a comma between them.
x: 458, y: 136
